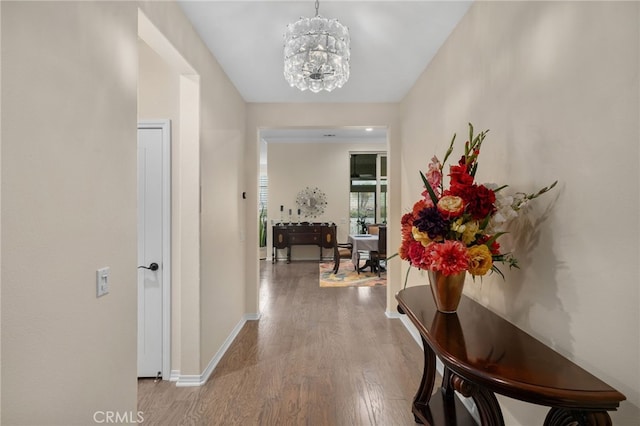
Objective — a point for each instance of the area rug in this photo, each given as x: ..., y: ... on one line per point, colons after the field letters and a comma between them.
x: 348, y: 277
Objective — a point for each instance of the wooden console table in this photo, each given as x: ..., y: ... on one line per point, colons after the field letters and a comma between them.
x: 304, y: 234
x: 484, y: 354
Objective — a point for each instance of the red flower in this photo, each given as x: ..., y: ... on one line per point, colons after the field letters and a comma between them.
x: 407, y: 219
x: 459, y: 176
x: 494, y: 248
x: 421, y: 205
x: 481, y: 202
x: 405, y: 226
x: 449, y: 257
x: 479, y: 199
x: 417, y: 255
x: 403, y: 252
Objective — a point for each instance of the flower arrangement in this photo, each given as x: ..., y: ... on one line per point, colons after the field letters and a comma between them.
x: 455, y: 229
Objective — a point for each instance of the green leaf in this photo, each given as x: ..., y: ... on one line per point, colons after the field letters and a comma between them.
x: 485, y: 222
x: 494, y: 268
x: 449, y: 151
x: 543, y: 190
x: 429, y: 189
x: 493, y: 238
x: 473, y: 170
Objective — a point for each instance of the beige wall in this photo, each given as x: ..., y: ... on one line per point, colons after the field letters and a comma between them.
x: 293, y: 167
x: 557, y: 84
x: 222, y: 215
x: 69, y: 93
x: 0, y: 224
x: 158, y: 89
x: 69, y: 208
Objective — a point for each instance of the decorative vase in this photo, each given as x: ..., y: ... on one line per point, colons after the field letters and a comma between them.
x: 446, y: 290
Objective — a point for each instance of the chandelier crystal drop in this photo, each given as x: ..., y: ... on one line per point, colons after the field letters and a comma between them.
x: 316, y: 54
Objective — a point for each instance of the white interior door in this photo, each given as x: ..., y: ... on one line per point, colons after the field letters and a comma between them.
x: 152, y: 259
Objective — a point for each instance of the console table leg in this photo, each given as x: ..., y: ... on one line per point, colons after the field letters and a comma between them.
x: 486, y: 402
x: 420, y: 409
x: 566, y: 417
x: 447, y: 385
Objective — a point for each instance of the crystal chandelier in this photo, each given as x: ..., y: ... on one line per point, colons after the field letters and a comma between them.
x: 316, y: 54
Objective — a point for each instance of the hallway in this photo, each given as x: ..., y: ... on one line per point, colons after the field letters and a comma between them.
x: 317, y: 356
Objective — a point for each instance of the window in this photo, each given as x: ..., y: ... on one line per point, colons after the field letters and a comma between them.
x: 368, y: 193
x: 263, y: 194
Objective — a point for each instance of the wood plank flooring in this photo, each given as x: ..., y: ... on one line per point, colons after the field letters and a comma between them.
x: 318, y: 356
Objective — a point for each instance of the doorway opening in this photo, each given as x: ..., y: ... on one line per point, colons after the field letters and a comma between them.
x: 154, y: 247
x: 169, y: 87
x: 295, y: 158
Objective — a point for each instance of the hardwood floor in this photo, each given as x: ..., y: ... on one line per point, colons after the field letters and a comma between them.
x: 317, y: 356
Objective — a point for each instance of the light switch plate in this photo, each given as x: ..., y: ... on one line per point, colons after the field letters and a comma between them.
x: 102, y: 282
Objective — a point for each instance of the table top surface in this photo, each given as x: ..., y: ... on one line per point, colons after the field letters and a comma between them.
x: 481, y: 346
x: 363, y: 242
x: 286, y: 224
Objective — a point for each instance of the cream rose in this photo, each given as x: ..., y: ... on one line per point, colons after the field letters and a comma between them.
x: 451, y: 206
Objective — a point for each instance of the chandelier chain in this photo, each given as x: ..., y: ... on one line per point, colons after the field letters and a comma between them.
x: 317, y: 6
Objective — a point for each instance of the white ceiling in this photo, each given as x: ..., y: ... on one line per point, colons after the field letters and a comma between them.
x: 392, y: 43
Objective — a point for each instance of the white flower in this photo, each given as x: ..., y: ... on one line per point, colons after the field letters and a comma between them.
x: 519, y: 201
x: 506, y: 210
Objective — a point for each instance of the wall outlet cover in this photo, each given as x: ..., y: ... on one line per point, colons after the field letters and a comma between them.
x: 102, y: 282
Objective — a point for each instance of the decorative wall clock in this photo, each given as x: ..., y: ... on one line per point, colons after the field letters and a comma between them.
x: 311, y: 202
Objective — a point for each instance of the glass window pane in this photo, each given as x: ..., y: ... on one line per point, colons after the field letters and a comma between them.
x: 362, y: 211
x: 364, y: 184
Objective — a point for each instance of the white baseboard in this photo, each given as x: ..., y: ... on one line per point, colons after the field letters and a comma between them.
x: 186, y: 380
x: 200, y: 379
x: 413, y: 331
x: 252, y: 317
x: 175, y: 375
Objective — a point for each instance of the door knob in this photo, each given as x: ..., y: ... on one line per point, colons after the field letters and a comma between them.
x: 152, y: 267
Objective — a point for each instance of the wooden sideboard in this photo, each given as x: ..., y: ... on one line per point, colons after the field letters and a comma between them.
x: 302, y: 234
x: 483, y: 353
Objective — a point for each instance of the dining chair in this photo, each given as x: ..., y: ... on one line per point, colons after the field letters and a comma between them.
x: 340, y: 251
x: 380, y: 254
x: 360, y: 256
x: 373, y: 228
